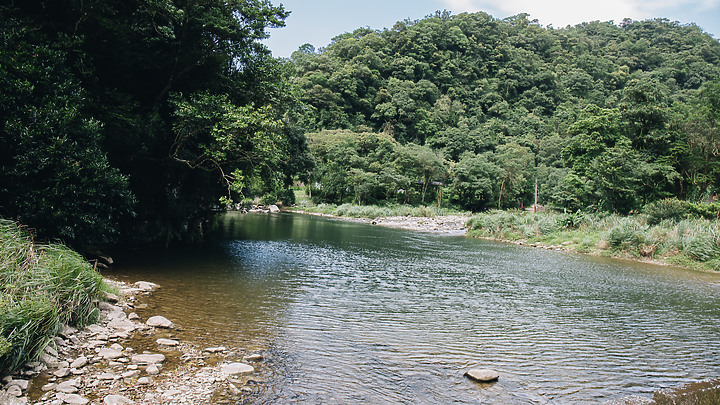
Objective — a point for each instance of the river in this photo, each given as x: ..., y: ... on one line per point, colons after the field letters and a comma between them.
x: 353, y: 313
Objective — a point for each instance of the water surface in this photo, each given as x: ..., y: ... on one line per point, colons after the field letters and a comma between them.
x: 354, y: 313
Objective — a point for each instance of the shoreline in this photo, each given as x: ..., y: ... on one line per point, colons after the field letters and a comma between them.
x: 455, y: 225
x: 124, y: 359
x: 442, y: 224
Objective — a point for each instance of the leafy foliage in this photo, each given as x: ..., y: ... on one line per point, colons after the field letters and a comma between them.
x: 129, y: 120
x: 604, y: 116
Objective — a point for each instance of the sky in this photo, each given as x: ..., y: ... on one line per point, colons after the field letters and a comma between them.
x: 317, y: 21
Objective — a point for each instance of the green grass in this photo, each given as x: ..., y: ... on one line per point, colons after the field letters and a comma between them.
x: 689, y: 242
x: 41, y: 288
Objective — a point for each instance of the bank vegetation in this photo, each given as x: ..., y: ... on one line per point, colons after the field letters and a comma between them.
x: 42, y: 287
x: 668, y: 231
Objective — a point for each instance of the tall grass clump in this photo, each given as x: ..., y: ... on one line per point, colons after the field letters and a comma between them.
x: 41, y: 288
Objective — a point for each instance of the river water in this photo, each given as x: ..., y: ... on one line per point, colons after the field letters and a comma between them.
x: 358, y: 314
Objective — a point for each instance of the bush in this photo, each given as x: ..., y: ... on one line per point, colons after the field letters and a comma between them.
x: 669, y: 208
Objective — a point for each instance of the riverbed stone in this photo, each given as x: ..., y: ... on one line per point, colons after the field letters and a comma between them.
x: 48, y: 387
x: 145, y: 285
x: 124, y: 325
x: 159, y: 322
x: 79, y: 362
x: 236, y: 369
x: 68, y: 387
x: 110, y: 354
x: 14, y: 391
x: 148, y: 358
x: 152, y: 369
x: 106, y: 376
x: 23, y: 384
x: 117, y: 400
x: 482, y: 375
x: 254, y: 357
x: 167, y: 342
x: 62, y: 372
x: 74, y: 399
x: 131, y: 374
x: 218, y: 349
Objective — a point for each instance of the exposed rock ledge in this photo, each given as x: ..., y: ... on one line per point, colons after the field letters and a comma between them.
x: 98, y: 365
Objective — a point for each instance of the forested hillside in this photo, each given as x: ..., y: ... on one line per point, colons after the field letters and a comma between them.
x: 128, y: 120
x: 471, y: 110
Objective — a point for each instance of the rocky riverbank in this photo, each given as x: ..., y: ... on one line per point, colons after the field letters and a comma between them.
x: 447, y: 224
x: 124, y: 360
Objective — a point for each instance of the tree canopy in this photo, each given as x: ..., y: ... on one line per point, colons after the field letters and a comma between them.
x: 129, y: 120
x: 604, y: 116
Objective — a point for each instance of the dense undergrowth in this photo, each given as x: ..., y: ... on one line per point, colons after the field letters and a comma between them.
x: 42, y: 286
x: 671, y: 231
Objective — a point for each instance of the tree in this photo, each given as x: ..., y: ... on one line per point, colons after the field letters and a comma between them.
x: 54, y: 174
x: 148, y: 74
x: 515, y: 163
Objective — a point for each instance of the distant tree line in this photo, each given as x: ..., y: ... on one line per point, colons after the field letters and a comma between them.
x: 473, y: 110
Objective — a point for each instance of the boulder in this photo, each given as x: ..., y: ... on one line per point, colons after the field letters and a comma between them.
x: 159, y: 322
x: 482, y: 375
x: 273, y: 209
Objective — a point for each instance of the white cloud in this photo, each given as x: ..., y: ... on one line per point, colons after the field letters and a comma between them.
x: 560, y: 13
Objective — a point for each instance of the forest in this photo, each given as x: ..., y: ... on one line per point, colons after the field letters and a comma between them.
x: 127, y: 121
x: 470, y: 111
x: 137, y: 121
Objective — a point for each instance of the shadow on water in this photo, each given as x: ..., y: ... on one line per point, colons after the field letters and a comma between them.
x: 351, y: 313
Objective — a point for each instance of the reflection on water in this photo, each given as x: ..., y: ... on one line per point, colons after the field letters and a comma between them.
x: 351, y: 313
